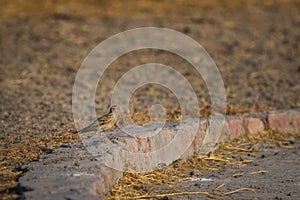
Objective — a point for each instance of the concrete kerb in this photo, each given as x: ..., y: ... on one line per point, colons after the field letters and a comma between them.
x: 102, y: 178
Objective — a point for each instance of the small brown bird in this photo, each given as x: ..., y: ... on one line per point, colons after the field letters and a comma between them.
x: 104, y: 122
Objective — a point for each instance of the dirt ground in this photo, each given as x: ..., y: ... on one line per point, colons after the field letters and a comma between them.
x: 255, y: 45
x: 265, y: 166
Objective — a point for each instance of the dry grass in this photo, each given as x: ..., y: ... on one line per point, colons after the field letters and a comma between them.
x: 14, y: 153
x: 140, y: 185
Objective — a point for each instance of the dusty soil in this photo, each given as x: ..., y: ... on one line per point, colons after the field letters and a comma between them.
x: 265, y: 166
x: 254, y: 44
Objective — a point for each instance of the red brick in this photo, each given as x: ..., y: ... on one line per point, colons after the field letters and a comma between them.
x: 200, y: 134
x: 278, y: 121
x: 189, y: 152
x: 296, y: 122
x: 188, y: 141
x: 132, y: 145
x: 144, y: 145
x: 235, y: 127
x: 225, y: 134
x: 253, y: 125
x: 197, y: 142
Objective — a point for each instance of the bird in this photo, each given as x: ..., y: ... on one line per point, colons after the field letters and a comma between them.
x: 104, y: 122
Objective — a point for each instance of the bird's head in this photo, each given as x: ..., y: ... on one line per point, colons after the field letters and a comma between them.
x: 113, y: 107
x: 115, y: 111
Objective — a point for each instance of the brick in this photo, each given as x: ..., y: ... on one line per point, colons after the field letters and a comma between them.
x: 144, y: 145
x: 132, y: 145
x: 188, y: 139
x: 278, y: 121
x: 202, y: 130
x: 197, y: 142
x: 296, y: 122
x: 253, y: 125
x: 160, y: 140
x: 107, y: 178
x: 189, y: 152
x: 235, y: 127
x: 225, y: 135
x: 211, y: 135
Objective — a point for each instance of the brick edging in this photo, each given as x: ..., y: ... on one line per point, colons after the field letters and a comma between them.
x: 282, y: 120
x: 235, y: 126
x: 74, y: 173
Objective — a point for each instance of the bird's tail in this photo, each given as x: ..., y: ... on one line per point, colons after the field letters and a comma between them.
x: 92, y: 127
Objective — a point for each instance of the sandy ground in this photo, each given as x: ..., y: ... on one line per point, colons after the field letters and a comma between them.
x: 255, y: 167
x: 254, y: 44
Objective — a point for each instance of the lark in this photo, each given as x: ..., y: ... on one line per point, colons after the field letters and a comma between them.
x: 104, y: 122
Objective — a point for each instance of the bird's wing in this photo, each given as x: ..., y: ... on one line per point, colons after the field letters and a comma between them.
x: 107, y: 122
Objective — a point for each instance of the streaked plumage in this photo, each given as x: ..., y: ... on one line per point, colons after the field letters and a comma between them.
x: 104, y: 122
